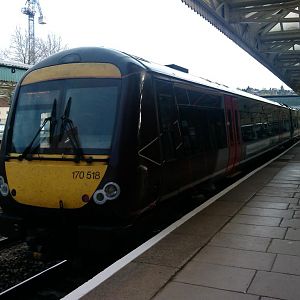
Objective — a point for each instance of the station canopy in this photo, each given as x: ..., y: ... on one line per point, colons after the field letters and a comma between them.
x: 269, y: 30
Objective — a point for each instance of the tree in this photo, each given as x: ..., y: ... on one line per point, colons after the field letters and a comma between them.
x: 18, y: 50
x: 51, y: 45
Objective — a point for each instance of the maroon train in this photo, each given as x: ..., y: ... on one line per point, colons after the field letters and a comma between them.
x: 96, y: 137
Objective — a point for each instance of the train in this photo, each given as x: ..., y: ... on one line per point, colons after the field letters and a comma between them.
x: 96, y: 138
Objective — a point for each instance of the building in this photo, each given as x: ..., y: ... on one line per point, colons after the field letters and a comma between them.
x: 10, y: 74
x: 4, y: 108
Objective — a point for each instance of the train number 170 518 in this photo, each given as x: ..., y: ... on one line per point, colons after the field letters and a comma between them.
x: 86, y: 175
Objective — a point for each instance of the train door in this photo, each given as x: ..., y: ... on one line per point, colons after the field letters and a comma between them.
x: 171, y: 140
x: 149, y: 169
x: 233, y: 132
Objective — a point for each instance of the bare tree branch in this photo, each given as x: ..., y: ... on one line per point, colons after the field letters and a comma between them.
x: 18, y: 50
x: 51, y: 45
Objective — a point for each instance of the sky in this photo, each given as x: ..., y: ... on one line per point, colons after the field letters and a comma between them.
x: 162, y: 31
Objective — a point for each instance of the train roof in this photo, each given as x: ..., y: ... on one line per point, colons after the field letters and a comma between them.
x: 122, y: 59
x: 165, y: 70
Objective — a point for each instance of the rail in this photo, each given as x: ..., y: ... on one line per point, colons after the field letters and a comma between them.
x: 25, y: 289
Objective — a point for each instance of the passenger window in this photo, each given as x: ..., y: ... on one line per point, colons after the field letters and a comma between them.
x: 204, y: 98
x: 169, y: 126
x: 203, y: 130
x: 194, y: 124
x: 181, y: 96
x: 257, y: 122
x: 216, y: 129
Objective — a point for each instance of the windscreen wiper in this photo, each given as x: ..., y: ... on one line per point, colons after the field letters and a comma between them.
x: 50, y: 119
x: 68, y: 127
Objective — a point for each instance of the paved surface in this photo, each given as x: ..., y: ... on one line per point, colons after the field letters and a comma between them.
x: 244, y: 246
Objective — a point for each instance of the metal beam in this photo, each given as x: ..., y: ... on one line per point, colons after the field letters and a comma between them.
x: 238, y: 3
x: 290, y: 35
x: 263, y: 7
x: 236, y: 19
x: 250, y: 24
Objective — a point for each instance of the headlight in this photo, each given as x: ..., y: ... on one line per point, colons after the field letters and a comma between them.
x: 4, y: 190
x: 110, y: 191
x: 99, y: 197
x: 1, y: 180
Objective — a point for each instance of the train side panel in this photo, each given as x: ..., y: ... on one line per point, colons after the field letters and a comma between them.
x: 192, y: 134
x: 263, y: 126
x: 205, y: 133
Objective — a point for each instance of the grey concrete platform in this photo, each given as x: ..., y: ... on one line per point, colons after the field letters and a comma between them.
x: 244, y: 246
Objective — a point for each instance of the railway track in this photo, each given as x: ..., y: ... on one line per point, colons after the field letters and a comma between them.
x: 39, y: 285
x: 3, y: 241
x: 6, y: 242
x: 56, y: 281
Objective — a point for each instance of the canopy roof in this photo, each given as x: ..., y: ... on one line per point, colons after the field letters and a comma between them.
x: 269, y: 30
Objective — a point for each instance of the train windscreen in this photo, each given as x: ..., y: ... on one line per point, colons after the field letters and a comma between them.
x: 63, y: 116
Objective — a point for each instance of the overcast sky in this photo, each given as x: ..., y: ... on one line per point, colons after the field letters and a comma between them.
x: 163, y: 31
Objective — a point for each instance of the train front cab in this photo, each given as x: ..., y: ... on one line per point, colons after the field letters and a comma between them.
x: 47, y: 174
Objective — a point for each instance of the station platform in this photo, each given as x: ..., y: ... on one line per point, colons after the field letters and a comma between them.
x: 244, y: 246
